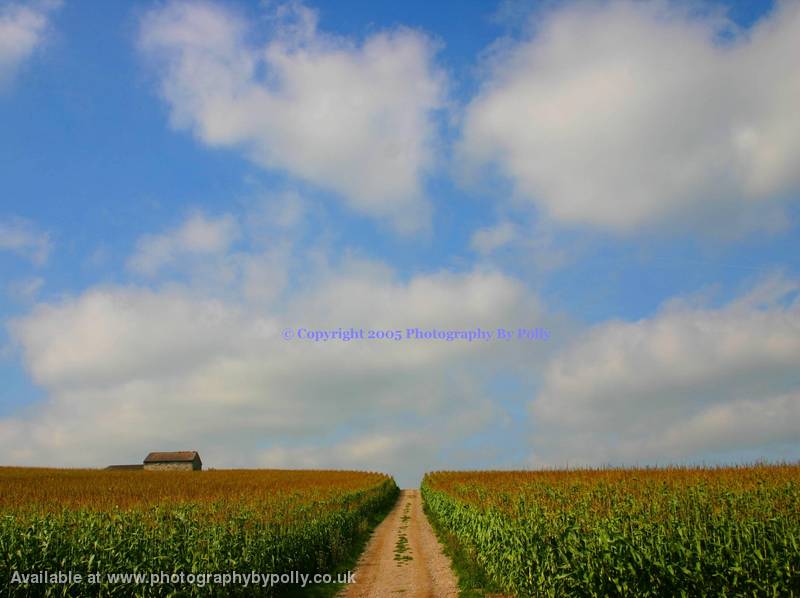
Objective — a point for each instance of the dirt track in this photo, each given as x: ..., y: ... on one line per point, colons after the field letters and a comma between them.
x: 403, y: 557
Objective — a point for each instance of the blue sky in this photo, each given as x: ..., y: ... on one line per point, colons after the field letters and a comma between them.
x: 184, y: 180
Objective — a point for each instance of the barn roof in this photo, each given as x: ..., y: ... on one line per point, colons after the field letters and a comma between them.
x: 172, y: 456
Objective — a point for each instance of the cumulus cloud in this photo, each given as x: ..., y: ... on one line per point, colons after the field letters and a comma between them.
x: 199, y: 235
x: 357, y: 119
x: 22, y: 31
x: 23, y: 238
x: 515, y: 242
x: 621, y: 114
x: 127, y: 369
x: 691, y: 381
x: 486, y: 240
x: 391, y: 448
x: 119, y: 333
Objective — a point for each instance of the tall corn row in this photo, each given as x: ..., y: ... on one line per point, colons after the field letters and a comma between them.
x: 593, y: 539
x: 291, y: 534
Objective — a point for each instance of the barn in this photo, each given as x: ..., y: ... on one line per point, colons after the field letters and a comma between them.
x: 178, y: 460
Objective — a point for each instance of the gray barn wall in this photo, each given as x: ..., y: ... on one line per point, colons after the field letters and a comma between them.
x: 170, y: 466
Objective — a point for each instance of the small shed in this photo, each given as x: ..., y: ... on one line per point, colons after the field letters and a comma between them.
x: 177, y: 460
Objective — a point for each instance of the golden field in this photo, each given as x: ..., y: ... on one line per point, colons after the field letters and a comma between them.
x: 625, y: 532
x: 204, y: 522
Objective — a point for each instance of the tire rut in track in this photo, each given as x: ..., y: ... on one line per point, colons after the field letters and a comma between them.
x: 403, y: 557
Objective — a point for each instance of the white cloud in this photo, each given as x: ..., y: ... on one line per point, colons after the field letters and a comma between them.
x: 622, y: 114
x: 515, y: 242
x: 692, y: 380
x: 199, y: 236
x: 353, y: 118
x: 740, y: 424
x: 361, y: 452
x: 22, y: 31
x: 283, y: 211
x: 129, y: 369
x: 114, y: 334
x: 21, y: 237
x: 264, y: 276
x: 486, y: 240
x: 200, y: 251
x: 406, y: 450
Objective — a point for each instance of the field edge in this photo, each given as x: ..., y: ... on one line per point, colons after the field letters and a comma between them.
x: 472, y: 580
x: 349, y: 562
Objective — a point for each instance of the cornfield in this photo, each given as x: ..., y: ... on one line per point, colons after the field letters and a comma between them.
x: 636, y: 532
x: 267, y: 521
